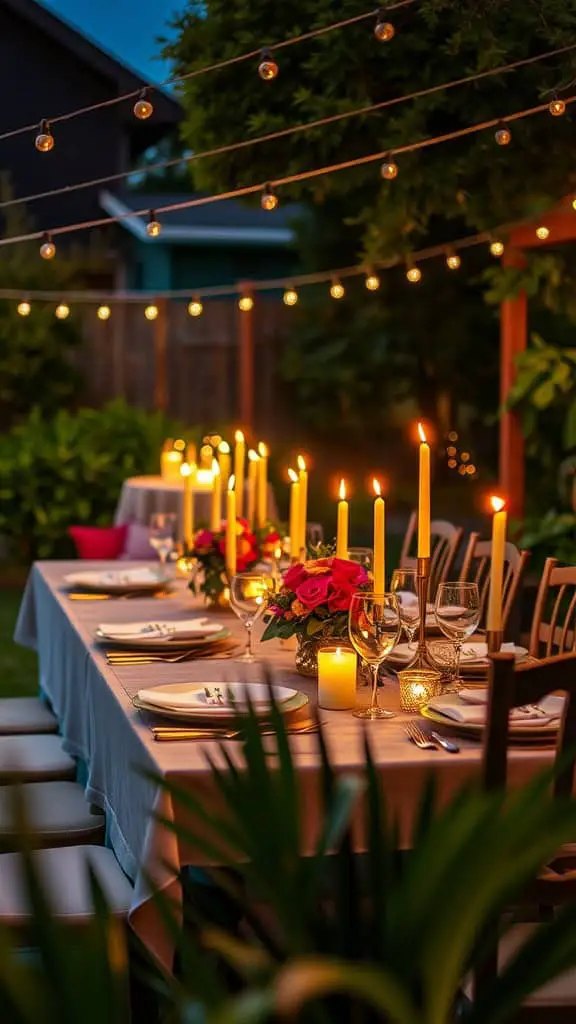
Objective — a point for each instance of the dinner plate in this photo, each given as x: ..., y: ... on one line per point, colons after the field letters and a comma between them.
x: 516, y: 731
x: 141, y: 644
x: 175, y: 630
x: 212, y: 713
x: 118, y: 581
x: 472, y: 659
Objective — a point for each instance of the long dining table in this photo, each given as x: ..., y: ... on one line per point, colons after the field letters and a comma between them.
x: 114, y: 741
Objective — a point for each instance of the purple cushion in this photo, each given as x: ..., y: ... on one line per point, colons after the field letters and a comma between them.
x: 137, y: 547
x: 99, y: 542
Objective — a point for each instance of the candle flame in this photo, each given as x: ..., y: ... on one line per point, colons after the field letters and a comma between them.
x: 231, y: 482
x: 421, y: 433
x: 301, y: 463
x: 185, y: 469
x: 215, y: 467
x: 342, y: 490
x: 253, y: 456
x: 262, y: 450
x: 293, y: 475
x: 377, y: 487
x: 497, y: 503
x: 224, y: 448
x: 239, y: 437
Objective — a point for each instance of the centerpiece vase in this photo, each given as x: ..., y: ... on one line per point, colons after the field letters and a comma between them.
x: 306, y: 657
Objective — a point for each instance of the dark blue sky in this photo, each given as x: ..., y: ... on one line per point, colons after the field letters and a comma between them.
x: 126, y: 28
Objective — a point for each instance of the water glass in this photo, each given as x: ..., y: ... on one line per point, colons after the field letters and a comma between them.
x: 249, y: 596
x: 162, y: 534
x: 458, y: 615
x: 374, y: 628
x: 405, y: 587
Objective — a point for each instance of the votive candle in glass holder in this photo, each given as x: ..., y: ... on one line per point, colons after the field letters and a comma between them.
x: 337, y: 667
x: 417, y: 687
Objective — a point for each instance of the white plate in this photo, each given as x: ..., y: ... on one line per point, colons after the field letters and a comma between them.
x: 473, y: 656
x: 161, y: 644
x: 288, y: 700
x: 530, y: 729
x: 180, y: 629
x: 117, y: 581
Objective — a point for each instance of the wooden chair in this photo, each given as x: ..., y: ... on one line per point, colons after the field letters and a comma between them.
x: 512, y: 687
x: 554, y: 621
x: 445, y: 541
x: 476, y: 569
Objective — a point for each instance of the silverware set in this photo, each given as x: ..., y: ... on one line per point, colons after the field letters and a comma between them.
x: 167, y: 733
x: 120, y: 658
x: 429, y: 741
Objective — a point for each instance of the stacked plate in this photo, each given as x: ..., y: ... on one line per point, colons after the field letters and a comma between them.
x: 473, y: 657
x: 118, y: 581
x: 215, y: 702
x: 176, y: 635
x: 465, y: 713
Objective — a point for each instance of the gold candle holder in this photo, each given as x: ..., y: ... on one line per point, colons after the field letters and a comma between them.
x: 417, y: 687
x: 494, y: 638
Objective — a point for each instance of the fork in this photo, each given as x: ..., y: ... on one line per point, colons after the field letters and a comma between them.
x: 429, y: 742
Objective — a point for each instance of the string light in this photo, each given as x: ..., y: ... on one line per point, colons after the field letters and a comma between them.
x: 151, y: 312
x: 383, y: 29
x: 542, y: 232
x: 267, y: 68
x: 496, y: 247
x: 44, y: 141
x: 62, y: 311
x: 557, y: 107
x: 337, y: 290
x: 48, y: 248
x: 453, y: 260
x: 290, y: 297
x: 103, y: 312
x: 389, y: 169
x: 143, y: 108
x: 574, y: 203
x: 153, y: 227
x: 24, y: 308
x: 372, y: 282
x: 245, y: 303
x: 195, y: 307
x: 269, y: 199
x: 452, y: 463
x: 503, y: 135
x: 414, y: 274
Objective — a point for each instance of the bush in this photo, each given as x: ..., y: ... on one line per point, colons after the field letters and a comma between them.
x: 70, y: 469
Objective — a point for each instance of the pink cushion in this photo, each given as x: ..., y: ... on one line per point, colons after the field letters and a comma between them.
x: 98, y: 541
x: 137, y: 546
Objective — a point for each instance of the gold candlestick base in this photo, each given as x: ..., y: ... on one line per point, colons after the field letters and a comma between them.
x: 423, y: 658
x: 494, y: 638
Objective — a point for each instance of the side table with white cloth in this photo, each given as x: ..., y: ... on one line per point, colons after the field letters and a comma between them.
x: 142, y: 496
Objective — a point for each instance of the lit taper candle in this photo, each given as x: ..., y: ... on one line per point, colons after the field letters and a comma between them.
x: 224, y: 462
x: 342, y: 526
x: 379, y: 540
x: 494, y: 616
x: 239, y: 460
x: 187, y: 473
x: 424, y: 497
x: 262, y: 497
x: 294, y: 514
x: 216, y: 507
x: 303, y: 517
x: 231, y: 528
x: 253, y: 460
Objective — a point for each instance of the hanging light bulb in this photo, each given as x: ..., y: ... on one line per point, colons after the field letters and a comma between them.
x: 267, y: 68
x: 195, y: 307
x: 453, y: 260
x: 103, y: 312
x: 48, y: 248
x: 24, y: 308
x: 503, y: 135
x: 372, y: 282
x: 62, y: 311
x: 151, y: 312
x: 337, y: 289
x: 557, y: 107
x: 574, y: 203
x: 268, y: 199
x: 290, y: 297
x: 496, y: 247
x: 383, y: 29
x: 413, y: 274
x: 245, y: 303
x: 143, y: 109
x: 44, y: 141
x: 153, y: 227
x: 389, y: 169
x: 542, y: 232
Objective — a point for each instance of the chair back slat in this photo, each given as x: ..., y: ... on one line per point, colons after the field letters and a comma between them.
x: 476, y: 569
x: 445, y: 540
x: 554, y: 621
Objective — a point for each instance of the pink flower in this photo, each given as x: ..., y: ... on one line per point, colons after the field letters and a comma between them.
x: 345, y: 571
x: 295, y: 575
x: 340, y: 599
x: 204, y: 540
x: 313, y: 592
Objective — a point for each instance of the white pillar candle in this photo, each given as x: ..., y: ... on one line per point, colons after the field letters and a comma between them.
x: 337, y: 667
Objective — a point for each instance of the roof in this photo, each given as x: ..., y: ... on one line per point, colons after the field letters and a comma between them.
x: 167, y: 108
x: 221, y: 223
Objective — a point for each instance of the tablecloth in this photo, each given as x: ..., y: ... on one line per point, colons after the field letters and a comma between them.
x: 100, y: 725
x: 142, y: 496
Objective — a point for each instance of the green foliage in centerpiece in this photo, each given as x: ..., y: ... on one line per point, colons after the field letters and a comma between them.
x: 314, y: 599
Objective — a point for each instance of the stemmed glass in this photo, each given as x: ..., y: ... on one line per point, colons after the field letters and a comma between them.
x: 162, y: 534
x: 249, y: 594
x: 405, y: 587
x: 374, y: 628
x: 458, y: 615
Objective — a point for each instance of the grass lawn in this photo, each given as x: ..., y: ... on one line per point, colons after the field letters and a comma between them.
x: 18, y: 673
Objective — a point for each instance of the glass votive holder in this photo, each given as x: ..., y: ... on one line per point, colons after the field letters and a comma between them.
x: 417, y: 687
x: 337, y: 668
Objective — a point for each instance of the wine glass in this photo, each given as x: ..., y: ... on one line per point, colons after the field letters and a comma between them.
x: 405, y: 587
x: 458, y: 615
x: 249, y: 594
x: 162, y: 533
x: 374, y: 628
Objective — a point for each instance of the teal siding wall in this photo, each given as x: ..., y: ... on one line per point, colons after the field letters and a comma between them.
x: 165, y: 267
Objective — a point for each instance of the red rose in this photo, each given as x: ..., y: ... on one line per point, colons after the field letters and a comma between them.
x: 246, y: 547
x: 204, y: 540
x: 346, y: 572
x: 340, y: 599
x: 313, y: 592
x: 295, y: 575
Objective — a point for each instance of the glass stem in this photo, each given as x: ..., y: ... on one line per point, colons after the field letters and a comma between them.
x: 458, y: 646
x: 249, y: 639
x: 374, y: 695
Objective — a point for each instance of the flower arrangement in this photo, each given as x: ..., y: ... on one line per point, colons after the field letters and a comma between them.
x: 210, y: 551
x: 314, y: 599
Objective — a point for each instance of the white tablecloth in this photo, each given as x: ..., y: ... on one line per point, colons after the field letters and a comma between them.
x: 142, y: 496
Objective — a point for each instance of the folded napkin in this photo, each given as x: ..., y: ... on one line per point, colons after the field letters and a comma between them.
x: 474, y: 713
x: 182, y: 629
x: 477, y: 650
x: 407, y: 598
x: 196, y: 697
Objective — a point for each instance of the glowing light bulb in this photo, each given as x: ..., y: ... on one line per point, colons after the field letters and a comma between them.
x: 62, y: 311
x: 414, y: 274
x: 24, y: 308
x: 48, y: 248
x: 389, y: 169
x: 153, y: 227
x: 44, y: 141
x: 453, y: 261
x: 143, y: 108
x: 290, y: 297
x: 383, y: 30
x: 151, y: 312
x: 267, y: 68
x: 503, y: 135
x: 195, y: 308
x: 268, y: 199
x: 542, y: 232
x: 557, y: 107
x: 496, y: 247
x: 372, y: 282
x: 103, y: 312
x: 245, y: 303
x: 337, y: 290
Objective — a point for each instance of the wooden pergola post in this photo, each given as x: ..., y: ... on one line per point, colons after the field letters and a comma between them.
x: 513, y: 340
x: 161, y: 356
x: 246, y: 360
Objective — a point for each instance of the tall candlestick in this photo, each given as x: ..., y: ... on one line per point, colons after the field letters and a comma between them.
x: 253, y: 459
x: 494, y: 616
x: 424, y: 497
x: 379, y: 540
x: 342, y: 526
x: 170, y: 462
x: 191, y: 453
x: 187, y: 472
x: 239, y: 460
x: 231, y: 528
x: 216, y: 506
x: 303, y: 518
x: 294, y: 514
x: 262, y: 500
x: 224, y: 461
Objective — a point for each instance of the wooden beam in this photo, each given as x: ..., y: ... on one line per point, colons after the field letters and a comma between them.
x: 513, y: 339
x: 246, y: 361
x: 161, y: 356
